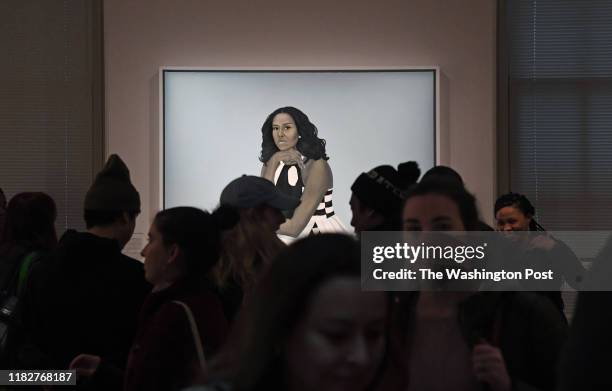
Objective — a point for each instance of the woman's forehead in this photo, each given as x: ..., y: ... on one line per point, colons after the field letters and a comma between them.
x: 431, y: 204
x: 509, y: 210
x: 282, y: 118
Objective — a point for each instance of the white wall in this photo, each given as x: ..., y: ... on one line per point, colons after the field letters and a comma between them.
x: 457, y: 35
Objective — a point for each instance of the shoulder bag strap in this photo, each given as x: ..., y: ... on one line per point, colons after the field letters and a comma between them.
x: 196, y: 334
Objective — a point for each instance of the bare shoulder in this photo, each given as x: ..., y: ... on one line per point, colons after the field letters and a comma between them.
x: 318, y: 168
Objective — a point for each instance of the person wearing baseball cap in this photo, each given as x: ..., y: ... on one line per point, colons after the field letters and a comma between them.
x: 252, y: 243
x: 87, y: 295
x: 250, y: 191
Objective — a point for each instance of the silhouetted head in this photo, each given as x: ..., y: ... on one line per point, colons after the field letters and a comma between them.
x: 184, y: 242
x: 378, y: 196
x: 445, y: 174
x: 30, y: 221
x: 434, y: 205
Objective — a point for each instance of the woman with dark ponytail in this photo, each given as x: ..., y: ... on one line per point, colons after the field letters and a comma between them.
x: 181, y: 322
x: 378, y: 197
x: 514, y: 213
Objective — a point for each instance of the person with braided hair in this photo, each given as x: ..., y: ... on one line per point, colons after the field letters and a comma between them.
x: 514, y: 213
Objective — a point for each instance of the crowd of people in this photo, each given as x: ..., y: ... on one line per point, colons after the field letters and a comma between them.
x: 221, y: 303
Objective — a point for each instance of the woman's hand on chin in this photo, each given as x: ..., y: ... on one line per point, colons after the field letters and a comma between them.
x: 290, y: 156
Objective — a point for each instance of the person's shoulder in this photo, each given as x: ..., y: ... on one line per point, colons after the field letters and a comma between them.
x: 171, y: 311
x: 72, y: 238
x: 204, y: 303
x: 165, y: 321
x: 319, y: 166
x: 561, y: 247
x: 172, y: 317
x: 131, y: 263
x: 75, y: 247
x: 316, y: 163
x: 205, y: 306
x: 133, y: 272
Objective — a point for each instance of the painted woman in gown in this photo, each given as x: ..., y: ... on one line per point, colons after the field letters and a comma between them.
x: 294, y: 160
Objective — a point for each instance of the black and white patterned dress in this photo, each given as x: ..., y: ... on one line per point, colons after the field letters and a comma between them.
x: 288, y: 178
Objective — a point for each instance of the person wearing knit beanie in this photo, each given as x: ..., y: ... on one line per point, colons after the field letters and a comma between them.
x: 104, y: 288
x: 377, y: 197
x: 112, y: 189
x: 112, y: 202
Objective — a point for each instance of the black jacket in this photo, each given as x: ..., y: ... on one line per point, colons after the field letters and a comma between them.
x: 586, y: 361
x: 84, y: 298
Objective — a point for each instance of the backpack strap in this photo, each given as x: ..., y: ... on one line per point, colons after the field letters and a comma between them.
x: 195, y: 333
x: 11, y: 283
x: 24, y: 270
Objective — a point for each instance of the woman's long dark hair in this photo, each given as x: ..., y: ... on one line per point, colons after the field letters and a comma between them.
x: 30, y: 222
x: 280, y: 300
x: 520, y: 202
x: 198, y: 235
x: 29, y: 227
x: 308, y: 144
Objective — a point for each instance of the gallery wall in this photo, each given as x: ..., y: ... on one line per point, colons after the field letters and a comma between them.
x: 456, y: 35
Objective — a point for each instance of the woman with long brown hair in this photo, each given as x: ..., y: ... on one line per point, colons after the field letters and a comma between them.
x: 249, y: 247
